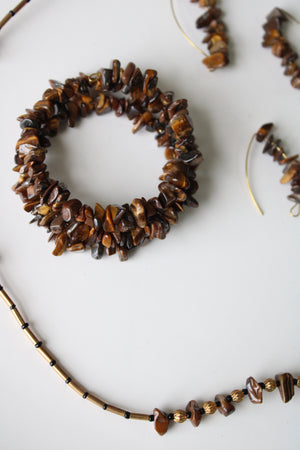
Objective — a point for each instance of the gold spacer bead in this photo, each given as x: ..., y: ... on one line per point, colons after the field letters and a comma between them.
x: 179, y: 416
x: 298, y: 382
x: 209, y: 407
x: 270, y: 384
x: 237, y: 395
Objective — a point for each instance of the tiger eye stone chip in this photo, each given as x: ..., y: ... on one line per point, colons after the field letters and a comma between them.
x: 161, y: 421
x: 194, y: 410
x: 254, y: 390
x: 286, y: 386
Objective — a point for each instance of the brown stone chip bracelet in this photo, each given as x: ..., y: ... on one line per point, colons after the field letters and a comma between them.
x: 76, y: 226
x: 223, y: 403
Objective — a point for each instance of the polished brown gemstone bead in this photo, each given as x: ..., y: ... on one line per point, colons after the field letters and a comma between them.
x: 215, y: 61
x: 193, y: 408
x: 76, y: 247
x: 138, y: 210
x: 181, y: 124
x: 128, y: 72
x: 97, y: 250
x: 99, y: 212
x: 280, y: 49
x: 226, y: 408
x: 150, y: 80
x: 290, y: 69
x: 123, y: 253
x: 102, y: 104
x: 263, y: 132
x: 157, y: 231
x: 207, y: 17
x: 70, y: 209
x: 138, y: 236
x: 108, y: 224
x: 80, y: 234
x: 142, y: 120
x: 45, y: 105
x: 286, y: 386
x: 290, y: 172
x: 106, y: 240
x: 115, y: 71
x: 177, y: 178
x: 61, y: 243
x: 254, y: 390
x: 161, y: 421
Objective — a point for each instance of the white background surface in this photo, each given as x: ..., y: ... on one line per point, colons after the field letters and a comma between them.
x: 184, y: 318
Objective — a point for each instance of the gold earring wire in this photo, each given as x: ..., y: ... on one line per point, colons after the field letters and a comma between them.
x: 13, y: 12
x: 183, y: 32
x: 247, y: 176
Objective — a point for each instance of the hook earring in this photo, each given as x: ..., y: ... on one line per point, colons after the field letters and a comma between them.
x: 291, y: 166
x: 216, y: 38
x: 281, y: 48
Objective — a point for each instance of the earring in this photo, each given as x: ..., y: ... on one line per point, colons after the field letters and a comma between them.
x: 281, y: 48
x: 216, y: 37
x: 291, y: 166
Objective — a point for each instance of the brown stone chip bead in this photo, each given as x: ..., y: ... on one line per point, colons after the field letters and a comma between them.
x: 286, y: 386
x: 115, y: 229
x: 254, y: 390
x: 280, y: 47
x: 225, y: 407
x: 161, y: 421
x: 263, y: 132
x: 216, y: 38
x: 194, y: 410
x: 215, y: 61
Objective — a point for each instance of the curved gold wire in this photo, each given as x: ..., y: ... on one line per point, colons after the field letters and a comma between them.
x: 247, y: 177
x: 292, y: 210
x: 184, y: 33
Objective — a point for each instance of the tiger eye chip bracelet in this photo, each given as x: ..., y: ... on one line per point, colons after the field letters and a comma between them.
x: 76, y: 226
x: 281, y: 48
x: 216, y: 38
x: 285, y: 383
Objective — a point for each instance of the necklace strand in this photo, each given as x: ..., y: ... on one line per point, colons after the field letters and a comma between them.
x: 224, y: 403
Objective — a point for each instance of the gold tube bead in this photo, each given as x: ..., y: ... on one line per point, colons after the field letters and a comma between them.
x: 270, y: 384
x: 31, y: 336
x: 6, y: 298
x: 60, y: 371
x: 45, y: 354
x: 17, y: 315
x: 179, y: 416
x: 115, y: 410
x: 77, y: 388
x: 237, y: 395
x: 210, y: 407
x: 97, y: 401
x: 137, y: 416
x: 298, y: 382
